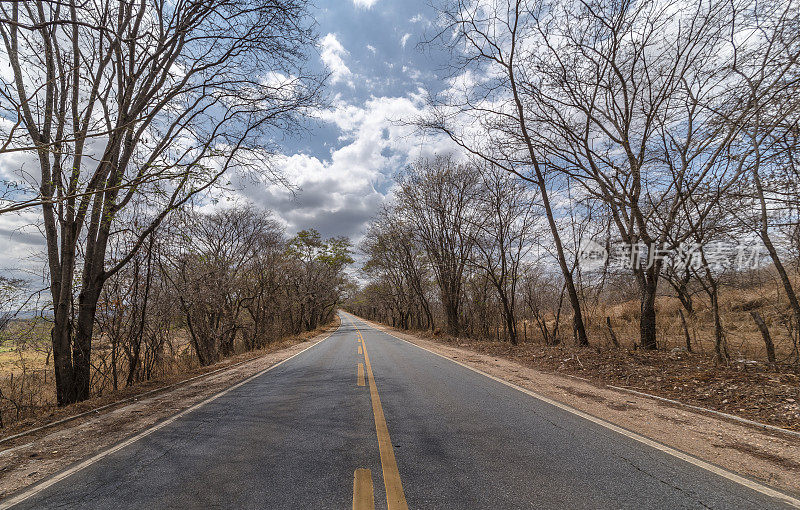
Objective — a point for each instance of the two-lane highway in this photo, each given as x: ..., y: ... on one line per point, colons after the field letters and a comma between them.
x: 364, y: 418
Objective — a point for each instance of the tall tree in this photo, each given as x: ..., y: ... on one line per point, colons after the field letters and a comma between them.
x: 138, y: 102
x: 438, y: 197
x: 486, y: 111
x: 395, y: 255
x: 508, y: 217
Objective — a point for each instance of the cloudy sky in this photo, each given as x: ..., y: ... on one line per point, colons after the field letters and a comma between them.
x: 342, y: 163
x: 378, y: 77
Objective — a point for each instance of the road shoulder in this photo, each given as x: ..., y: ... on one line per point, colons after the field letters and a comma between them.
x: 767, y: 457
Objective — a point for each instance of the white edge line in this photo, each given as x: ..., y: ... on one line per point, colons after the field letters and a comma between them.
x: 119, y: 446
x: 763, y: 489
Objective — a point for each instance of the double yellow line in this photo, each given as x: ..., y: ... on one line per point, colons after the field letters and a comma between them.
x: 362, y: 479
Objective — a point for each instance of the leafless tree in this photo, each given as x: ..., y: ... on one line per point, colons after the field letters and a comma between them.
x: 395, y: 256
x: 487, y: 112
x: 507, y: 218
x: 543, y: 298
x: 209, y: 267
x: 138, y: 102
x: 769, y: 83
x: 262, y: 282
x: 438, y: 198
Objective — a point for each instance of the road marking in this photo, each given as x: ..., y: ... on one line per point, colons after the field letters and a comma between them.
x: 363, y: 494
x: 360, y: 373
x: 8, y: 503
x: 359, y: 350
x: 763, y: 489
x: 395, y: 497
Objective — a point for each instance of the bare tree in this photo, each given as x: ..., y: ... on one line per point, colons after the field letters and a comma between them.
x: 395, y: 255
x: 209, y: 267
x: 139, y: 102
x: 628, y: 95
x: 438, y: 198
x: 262, y: 282
x: 769, y: 83
x: 486, y: 112
x: 507, y: 219
x: 543, y: 297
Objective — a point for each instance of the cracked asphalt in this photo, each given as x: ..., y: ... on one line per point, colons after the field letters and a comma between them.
x: 293, y: 437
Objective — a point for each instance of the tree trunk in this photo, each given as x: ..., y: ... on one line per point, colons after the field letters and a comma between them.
x: 794, y: 303
x: 686, y: 332
x: 762, y: 326
x: 82, y: 344
x: 611, y: 332
x: 512, y: 329
x: 509, y: 323
x: 62, y: 332
x: 647, y: 321
x: 720, y: 345
x: 428, y: 316
x: 62, y: 360
x: 577, y: 317
x: 786, y: 281
x: 451, y: 313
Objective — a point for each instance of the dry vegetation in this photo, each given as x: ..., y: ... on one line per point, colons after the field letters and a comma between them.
x: 105, y: 162
x: 757, y: 291
x: 457, y: 255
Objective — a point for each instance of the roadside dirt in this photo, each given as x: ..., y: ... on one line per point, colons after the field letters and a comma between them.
x: 769, y: 457
x: 31, y: 458
x: 743, y: 388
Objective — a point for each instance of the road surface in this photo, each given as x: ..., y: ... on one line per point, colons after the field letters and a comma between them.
x: 364, y: 418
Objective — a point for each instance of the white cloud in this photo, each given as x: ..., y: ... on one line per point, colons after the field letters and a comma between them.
x: 405, y: 39
x: 364, y: 4
x: 340, y: 194
x: 412, y: 73
x: 331, y: 52
x: 372, y: 49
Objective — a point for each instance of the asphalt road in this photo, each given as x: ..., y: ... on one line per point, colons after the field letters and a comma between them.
x: 422, y: 429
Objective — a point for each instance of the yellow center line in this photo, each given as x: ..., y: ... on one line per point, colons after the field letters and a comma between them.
x: 359, y: 350
x: 361, y: 374
x: 395, y: 497
x: 363, y: 495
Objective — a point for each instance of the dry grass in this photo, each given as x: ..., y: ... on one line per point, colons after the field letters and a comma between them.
x: 743, y: 337
x: 24, y: 345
